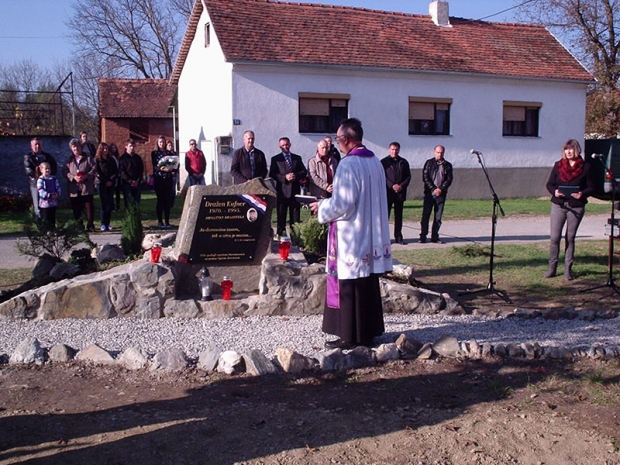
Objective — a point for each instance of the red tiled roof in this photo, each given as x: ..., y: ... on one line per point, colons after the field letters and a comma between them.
x: 305, y: 33
x: 135, y: 98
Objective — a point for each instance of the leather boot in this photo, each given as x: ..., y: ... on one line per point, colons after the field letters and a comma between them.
x: 551, y: 271
x: 568, y: 275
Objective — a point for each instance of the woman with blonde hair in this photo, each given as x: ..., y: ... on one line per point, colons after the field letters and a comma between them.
x: 570, y: 184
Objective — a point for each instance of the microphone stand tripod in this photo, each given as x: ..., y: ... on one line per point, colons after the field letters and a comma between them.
x: 496, y: 205
x: 610, y: 259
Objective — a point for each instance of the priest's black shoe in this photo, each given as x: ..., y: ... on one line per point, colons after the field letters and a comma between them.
x: 339, y: 344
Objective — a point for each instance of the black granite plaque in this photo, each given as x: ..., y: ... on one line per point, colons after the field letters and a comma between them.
x: 227, y: 229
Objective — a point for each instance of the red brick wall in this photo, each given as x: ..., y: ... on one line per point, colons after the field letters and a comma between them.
x: 116, y: 131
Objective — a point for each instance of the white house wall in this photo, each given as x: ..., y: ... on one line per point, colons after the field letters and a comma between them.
x: 266, y: 101
x: 205, y: 101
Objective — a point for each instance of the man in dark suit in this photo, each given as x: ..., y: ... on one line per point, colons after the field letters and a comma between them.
x: 397, y: 178
x: 287, y: 169
x: 248, y: 162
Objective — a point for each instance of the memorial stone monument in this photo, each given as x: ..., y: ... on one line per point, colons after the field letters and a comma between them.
x: 228, y: 230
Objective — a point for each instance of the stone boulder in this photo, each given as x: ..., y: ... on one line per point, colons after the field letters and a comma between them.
x: 29, y: 351
x: 173, y: 359
x: 95, y: 354
x: 403, y: 298
x: 107, y: 253
x: 166, y: 240
x: 64, y: 270
x: 44, y: 265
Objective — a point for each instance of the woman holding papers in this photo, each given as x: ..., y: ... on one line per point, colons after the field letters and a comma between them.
x: 570, y: 185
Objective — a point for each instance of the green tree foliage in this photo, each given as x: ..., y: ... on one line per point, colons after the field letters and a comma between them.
x: 131, y: 230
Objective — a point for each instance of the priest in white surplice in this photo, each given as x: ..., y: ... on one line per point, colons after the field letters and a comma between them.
x: 358, y: 249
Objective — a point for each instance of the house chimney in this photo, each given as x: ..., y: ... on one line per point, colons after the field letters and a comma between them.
x: 439, y: 13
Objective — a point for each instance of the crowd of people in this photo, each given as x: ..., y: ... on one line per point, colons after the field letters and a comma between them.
x: 99, y: 169
x: 292, y: 178
x: 354, y: 194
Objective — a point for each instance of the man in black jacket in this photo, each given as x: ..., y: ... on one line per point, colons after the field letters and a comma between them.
x: 397, y: 178
x: 437, y: 177
x: 248, y: 162
x: 32, y: 160
x: 131, y: 169
x: 287, y: 169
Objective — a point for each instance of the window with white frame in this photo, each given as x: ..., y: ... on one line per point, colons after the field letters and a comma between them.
x: 520, y: 119
x: 429, y: 116
x: 322, y: 113
x: 207, y: 34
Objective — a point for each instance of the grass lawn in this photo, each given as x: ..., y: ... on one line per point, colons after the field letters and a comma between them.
x: 11, y: 222
x: 518, y: 270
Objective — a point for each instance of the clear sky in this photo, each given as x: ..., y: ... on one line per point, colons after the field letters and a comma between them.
x: 35, y: 29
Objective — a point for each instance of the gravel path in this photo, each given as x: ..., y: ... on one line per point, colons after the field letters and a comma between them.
x: 302, y: 334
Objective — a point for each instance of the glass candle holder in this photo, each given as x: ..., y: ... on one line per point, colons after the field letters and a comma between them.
x: 155, y: 252
x: 226, y: 286
x: 284, y: 247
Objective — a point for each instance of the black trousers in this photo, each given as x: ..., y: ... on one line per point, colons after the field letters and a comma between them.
x: 284, y: 206
x: 360, y: 316
x: 84, y: 203
x: 398, y: 213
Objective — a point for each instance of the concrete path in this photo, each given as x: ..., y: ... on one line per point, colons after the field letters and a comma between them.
x: 513, y: 229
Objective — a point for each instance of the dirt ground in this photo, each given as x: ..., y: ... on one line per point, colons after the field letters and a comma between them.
x: 403, y: 412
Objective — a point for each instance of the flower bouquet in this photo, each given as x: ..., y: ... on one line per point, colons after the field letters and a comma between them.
x: 171, y: 162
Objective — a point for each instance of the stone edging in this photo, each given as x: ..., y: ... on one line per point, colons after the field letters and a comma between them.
x: 256, y: 363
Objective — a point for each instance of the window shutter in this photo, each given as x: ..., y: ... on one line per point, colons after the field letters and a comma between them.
x: 514, y: 113
x: 313, y: 106
x: 421, y: 110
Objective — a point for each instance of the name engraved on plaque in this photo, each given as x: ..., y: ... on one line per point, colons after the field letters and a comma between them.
x: 227, y: 229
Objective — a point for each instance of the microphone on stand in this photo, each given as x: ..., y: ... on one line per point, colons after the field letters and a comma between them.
x: 475, y: 152
x: 598, y: 156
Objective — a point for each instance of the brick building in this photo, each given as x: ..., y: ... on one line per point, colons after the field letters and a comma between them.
x: 140, y: 109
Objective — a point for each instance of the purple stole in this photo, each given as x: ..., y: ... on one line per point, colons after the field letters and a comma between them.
x: 333, y: 288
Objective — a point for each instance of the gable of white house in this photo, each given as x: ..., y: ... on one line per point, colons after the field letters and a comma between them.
x: 519, y: 124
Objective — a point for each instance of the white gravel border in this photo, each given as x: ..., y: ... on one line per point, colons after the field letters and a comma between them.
x: 302, y: 334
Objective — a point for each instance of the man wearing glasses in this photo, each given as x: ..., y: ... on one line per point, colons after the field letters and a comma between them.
x: 195, y: 164
x: 358, y: 244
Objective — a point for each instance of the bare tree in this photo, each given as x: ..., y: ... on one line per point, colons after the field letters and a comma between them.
x: 591, y: 28
x: 138, y: 37
x: 183, y: 7
x: 27, y: 104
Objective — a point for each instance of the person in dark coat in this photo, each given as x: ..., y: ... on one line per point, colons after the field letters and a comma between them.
x: 107, y: 176
x: 248, y: 162
x: 397, y: 178
x: 570, y: 184
x: 288, y: 170
x: 131, y: 170
x: 32, y: 160
x: 437, y: 178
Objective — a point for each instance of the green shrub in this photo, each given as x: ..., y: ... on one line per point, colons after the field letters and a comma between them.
x: 131, y: 230
x: 311, y: 236
x: 53, y: 241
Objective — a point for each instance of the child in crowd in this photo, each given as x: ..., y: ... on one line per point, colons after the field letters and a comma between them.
x: 49, y: 192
